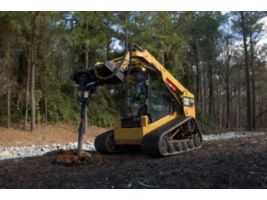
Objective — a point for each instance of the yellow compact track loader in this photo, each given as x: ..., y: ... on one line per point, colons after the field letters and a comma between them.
x: 157, y: 111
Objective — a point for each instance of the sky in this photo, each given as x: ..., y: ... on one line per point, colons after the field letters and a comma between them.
x: 264, y: 39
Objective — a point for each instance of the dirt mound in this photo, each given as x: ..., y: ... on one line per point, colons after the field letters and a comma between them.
x: 70, y: 158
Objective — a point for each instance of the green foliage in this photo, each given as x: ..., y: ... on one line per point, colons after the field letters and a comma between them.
x: 15, y: 113
x: 2, y: 112
x: 101, y: 109
x: 38, y: 96
x: 61, y: 104
x: 65, y: 40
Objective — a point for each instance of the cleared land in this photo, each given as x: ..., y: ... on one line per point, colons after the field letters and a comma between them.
x: 231, y: 163
x: 47, y: 134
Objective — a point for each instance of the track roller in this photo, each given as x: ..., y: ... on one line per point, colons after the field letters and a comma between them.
x: 190, y: 144
x: 163, y: 145
x: 178, y: 147
x: 197, y: 139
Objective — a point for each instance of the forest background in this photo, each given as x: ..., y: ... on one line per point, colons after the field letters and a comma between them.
x: 219, y: 56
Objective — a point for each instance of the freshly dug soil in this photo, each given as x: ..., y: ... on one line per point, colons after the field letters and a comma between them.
x: 232, y: 163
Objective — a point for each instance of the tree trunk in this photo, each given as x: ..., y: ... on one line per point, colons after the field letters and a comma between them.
x: 228, y: 126
x: 246, y: 62
x: 196, y: 58
x: 33, y: 114
x: 263, y: 105
x: 33, y: 65
x: 228, y: 121
x: 238, y: 107
x: 46, y: 64
x: 8, y: 93
x: 202, y: 95
x: 46, y: 110
x: 252, y: 80
x: 86, y: 67
x: 211, y: 96
x: 205, y: 93
x: 45, y: 94
x: 27, y: 92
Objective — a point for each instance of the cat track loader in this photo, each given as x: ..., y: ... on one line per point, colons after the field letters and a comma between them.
x: 157, y: 112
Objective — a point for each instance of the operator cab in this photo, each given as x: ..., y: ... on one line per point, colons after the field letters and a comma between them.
x: 144, y: 93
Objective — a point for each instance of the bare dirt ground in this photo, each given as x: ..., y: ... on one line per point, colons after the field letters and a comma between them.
x: 231, y: 163
x: 47, y: 134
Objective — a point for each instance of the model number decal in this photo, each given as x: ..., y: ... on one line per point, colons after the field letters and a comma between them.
x: 188, y: 101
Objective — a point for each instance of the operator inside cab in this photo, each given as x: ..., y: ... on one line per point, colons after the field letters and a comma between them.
x: 134, y: 94
x: 144, y: 93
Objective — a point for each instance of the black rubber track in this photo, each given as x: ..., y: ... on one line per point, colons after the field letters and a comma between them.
x: 150, y: 142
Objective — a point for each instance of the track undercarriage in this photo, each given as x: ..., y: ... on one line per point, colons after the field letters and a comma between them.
x: 177, y: 136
